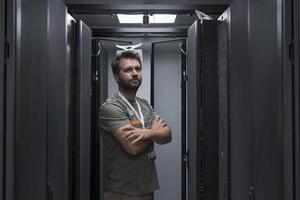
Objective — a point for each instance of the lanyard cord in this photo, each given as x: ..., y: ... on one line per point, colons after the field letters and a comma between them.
x: 138, y: 115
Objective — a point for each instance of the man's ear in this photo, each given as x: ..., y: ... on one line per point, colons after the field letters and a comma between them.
x: 116, y: 78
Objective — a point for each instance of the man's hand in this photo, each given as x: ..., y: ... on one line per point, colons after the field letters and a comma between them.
x: 157, y: 131
x: 136, y: 134
x: 128, y: 146
x: 158, y: 123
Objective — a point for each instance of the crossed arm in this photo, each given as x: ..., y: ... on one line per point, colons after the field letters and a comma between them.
x: 135, y: 140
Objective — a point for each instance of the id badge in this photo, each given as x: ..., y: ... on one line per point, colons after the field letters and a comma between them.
x: 152, y: 155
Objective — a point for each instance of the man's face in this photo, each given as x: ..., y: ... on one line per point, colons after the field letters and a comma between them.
x: 130, y: 75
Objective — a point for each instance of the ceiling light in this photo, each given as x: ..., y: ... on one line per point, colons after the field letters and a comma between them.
x: 130, y: 19
x: 140, y: 18
x: 162, y: 18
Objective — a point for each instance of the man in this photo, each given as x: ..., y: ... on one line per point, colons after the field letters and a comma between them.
x: 129, y: 128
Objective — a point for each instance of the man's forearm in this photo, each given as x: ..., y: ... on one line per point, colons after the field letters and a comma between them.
x: 161, y: 135
x: 138, y: 147
x: 127, y: 144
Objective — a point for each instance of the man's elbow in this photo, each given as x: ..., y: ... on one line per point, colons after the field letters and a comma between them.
x: 132, y: 150
x: 167, y: 139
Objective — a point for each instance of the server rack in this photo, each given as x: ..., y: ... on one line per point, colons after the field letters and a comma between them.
x: 202, y: 110
x: 82, y: 139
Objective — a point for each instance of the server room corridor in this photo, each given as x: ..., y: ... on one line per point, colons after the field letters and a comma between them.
x: 224, y: 74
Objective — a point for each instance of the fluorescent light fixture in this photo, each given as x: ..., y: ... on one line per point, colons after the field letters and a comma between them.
x: 162, y: 18
x: 130, y: 19
x: 153, y: 19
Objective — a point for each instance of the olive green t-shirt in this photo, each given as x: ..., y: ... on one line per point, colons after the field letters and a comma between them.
x: 126, y: 174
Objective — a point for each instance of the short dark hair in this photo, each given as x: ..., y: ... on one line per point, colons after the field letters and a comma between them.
x: 115, y: 65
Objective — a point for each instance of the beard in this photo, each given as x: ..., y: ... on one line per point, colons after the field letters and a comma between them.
x: 131, y: 85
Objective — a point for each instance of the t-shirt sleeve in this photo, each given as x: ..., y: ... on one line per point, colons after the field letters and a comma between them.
x: 112, y: 117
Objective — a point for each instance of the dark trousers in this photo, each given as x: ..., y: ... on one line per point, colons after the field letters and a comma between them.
x: 115, y: 196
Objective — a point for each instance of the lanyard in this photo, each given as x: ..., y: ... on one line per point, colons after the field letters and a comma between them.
x: 138, y: 115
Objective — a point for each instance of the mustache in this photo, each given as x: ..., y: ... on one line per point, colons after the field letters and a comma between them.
x: 134, y: 79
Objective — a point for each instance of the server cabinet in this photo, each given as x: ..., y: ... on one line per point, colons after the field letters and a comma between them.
x: 71, y: 94
x: 83, y: 112
x: 223, y: 41
x: 202, y: 109
x: 99, y: 84
x: 95, y: 139
x: 2, y: 28
x: 256, y: 100
x: 194, y: 112
x: 267, y: 99
x: 43, y: 96
x: 289, y: 87
x: 235, y: 123
x: 31, y: 105
x: 12, y: 35
x: 59, y: 110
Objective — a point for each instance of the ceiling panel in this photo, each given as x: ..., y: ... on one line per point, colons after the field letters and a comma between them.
x: 198, y: 2
x: 107, y: 21
x: 101, y: 16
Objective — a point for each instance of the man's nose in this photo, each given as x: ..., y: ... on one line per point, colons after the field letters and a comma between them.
x: 134, y: 72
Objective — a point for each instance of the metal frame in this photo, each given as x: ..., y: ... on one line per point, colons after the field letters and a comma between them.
x: 13, y: 39
x: 2, y: 66
x: 194, y: 102
x: 95, y: 139
x: 288, y: 100
x: 296, y: 34
x: 152, y: 67
x: 184, y: 153
x: 224, y: 150
x: 144, y: 8
x: 83, y: 112
x: 134, y: 32
x: 183, y: 108
x: 112, y: 40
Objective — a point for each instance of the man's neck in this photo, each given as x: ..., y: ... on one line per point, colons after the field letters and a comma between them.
x: 129, y: 95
